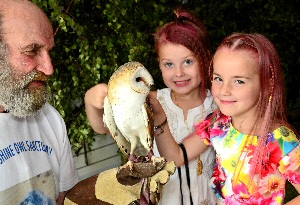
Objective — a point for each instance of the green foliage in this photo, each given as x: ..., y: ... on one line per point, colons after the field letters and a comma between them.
x: 94, y: 37
x: 278, y: 20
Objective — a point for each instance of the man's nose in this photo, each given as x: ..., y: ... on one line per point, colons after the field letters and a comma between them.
x: 45, y: 64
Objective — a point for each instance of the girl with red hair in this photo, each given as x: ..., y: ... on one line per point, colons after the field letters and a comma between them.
x: 182, y: 48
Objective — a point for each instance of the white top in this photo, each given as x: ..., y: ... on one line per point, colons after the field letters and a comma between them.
x: 200, y: 189
x: 36, y: 161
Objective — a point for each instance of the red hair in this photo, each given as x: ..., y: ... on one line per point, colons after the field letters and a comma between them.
x: 271, y: 107
x: 188, y: 30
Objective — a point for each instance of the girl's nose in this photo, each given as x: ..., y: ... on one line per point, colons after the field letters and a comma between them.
x: 179, y: 72
x: 225, y: 89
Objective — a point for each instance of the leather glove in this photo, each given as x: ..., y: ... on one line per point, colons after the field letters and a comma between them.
x: 141, y: 185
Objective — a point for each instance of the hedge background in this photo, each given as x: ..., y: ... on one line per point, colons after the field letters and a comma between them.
x: 94, y: 37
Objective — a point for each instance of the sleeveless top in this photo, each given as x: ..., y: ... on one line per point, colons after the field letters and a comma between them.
x: 200, y: 189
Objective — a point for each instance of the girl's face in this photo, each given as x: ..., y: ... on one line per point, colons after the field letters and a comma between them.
x: 236, y: 84
x: 179, y: 67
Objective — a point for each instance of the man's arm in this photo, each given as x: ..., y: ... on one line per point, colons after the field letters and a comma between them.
x: 94, y: 102
x: 61, y: 198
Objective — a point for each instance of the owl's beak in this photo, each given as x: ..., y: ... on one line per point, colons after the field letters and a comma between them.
x: 144, y: 80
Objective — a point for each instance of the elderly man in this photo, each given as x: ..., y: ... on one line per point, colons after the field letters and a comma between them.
x: 36, y: 164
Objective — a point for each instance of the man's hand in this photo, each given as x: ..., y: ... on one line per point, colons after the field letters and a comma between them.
x: 157, y: 176
x: 162, y: 176
x: 95, y: 96
x: 123, y: 186
x: 94, y: 103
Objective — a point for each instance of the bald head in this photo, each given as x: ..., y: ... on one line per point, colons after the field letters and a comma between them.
x: 21, y: 14
x: 7, y: 3
x: 12, y: 6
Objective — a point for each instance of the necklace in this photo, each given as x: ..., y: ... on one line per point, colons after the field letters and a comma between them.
x: 199, y: 161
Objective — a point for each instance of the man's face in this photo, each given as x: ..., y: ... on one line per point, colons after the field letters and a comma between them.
x: 25, y: 62
x: 17, y: 94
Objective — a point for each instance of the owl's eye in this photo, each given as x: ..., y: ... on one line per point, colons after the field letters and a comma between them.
x: 138, y: 79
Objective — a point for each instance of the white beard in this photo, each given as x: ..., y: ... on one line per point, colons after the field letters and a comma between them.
x: 15, y: 96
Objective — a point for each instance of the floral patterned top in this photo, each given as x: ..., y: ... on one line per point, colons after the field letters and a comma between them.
x: 231, y: 180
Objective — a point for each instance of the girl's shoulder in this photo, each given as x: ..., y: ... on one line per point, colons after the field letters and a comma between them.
x: 285, y: 138
x: 215, y: 123
x: 285, y: 134
x: 163, y: 90
x: 217, y: 117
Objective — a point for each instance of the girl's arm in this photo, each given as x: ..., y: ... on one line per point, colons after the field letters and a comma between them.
x: 169, y: 148
x: 165, y: 142
x: 296, y: 200
x: 94, y: 101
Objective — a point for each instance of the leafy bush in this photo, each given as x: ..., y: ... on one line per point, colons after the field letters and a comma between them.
x: 94, y: 37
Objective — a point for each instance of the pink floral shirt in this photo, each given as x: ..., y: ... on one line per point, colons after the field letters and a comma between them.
x: 231, y: 179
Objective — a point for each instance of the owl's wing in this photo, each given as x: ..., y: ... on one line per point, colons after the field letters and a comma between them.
x: 109, y: 122
x: 148, y: 120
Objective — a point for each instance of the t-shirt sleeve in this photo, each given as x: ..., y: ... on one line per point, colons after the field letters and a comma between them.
x: 68, y: 176
x: 68, y: 173
x: 214, y: 125
x: 203, y: 128
x: 289, y: 165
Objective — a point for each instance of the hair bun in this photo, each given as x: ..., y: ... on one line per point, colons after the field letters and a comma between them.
x: 182, y: 18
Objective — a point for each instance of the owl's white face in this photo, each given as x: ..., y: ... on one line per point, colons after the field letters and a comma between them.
x: 141, y: 80
x: 125, y: 112
x: 130, y: 81
x: 180, y: 68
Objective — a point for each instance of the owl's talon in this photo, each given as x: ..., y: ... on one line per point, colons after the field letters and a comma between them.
x: 155, y: 159
x: 128, y: 164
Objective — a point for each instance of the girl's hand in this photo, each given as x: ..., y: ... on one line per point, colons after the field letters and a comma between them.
x: 165, y: 142
x: 159, y: 114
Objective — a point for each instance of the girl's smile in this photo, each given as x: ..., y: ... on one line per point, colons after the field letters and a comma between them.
x: 227, y: 102
x: 181, y: 83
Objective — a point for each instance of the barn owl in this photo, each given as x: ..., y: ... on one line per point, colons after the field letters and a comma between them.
x: 126, y: 112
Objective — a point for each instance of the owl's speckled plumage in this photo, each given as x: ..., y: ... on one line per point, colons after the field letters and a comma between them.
x: 126, y: 113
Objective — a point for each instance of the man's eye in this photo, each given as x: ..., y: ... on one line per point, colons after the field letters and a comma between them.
x: 32, y: 50
x: 31, y: 53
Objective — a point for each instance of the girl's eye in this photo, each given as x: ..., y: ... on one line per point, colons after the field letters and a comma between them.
x: 239, y: 82
x: 168, y: 64
x: 188, y: 61
x: 217, y: 79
